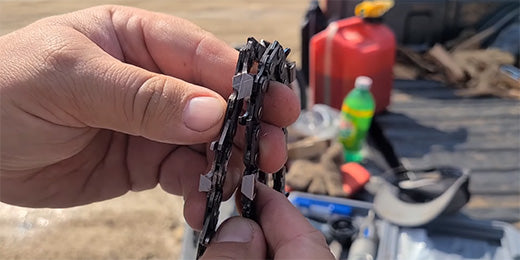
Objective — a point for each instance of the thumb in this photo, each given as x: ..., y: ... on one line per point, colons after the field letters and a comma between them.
x: 135, y: 101
x: 237, y: 238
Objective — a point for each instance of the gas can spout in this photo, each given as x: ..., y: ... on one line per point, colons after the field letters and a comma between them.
x: 373, y: 9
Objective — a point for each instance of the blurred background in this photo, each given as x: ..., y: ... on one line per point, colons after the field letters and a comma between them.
x: 144, y: 225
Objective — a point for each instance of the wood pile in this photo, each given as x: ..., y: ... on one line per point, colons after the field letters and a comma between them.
x: 475, y: 72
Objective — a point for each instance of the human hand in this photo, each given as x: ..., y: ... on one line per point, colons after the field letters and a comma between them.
x: 282, y: 233
x: 110, y: 99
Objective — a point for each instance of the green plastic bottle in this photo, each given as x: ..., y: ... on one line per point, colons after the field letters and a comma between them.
x: 356, y: 116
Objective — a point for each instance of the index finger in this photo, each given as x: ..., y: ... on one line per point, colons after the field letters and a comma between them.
x: 288, y: 233
x: 179, y: 48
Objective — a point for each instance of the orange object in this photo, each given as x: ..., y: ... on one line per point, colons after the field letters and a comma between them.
x: 347, y: 49
x: 355, y: 176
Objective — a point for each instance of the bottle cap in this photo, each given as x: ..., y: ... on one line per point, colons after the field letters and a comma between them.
x: 363, y: 82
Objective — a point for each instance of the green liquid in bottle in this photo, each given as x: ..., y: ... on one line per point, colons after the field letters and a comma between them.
x: 356, y: 116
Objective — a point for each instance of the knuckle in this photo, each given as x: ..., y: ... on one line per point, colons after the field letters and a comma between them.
x: 155, y: 102
x: 197, y: 53
x: 147, y: 101
x: 58, y: 55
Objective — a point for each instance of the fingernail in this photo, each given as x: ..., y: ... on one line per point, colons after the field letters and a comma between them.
x: 202, y: 113
x: 235, y: 230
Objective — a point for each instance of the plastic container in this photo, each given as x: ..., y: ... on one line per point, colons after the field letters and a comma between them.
x: 355, y: 119
x: 320, y: 121
x: 453, y: 236
x: 347, y: 49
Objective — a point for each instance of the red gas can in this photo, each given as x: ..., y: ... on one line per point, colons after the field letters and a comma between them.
x: 347, y: 49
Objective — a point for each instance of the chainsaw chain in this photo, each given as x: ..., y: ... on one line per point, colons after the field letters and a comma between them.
x: 269, y: 61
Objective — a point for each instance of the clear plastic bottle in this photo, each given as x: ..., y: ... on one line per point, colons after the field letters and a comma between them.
x: 320, y: 121
x: 355, y: 119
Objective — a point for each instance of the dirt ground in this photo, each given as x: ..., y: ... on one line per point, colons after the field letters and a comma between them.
x: 144, y: 225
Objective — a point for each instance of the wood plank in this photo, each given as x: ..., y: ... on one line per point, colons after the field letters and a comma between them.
x: 404, y: 91
x: 497, y: 207
x: 454, y: 71
x: 495, y: 182
x: 403, y: 99
x: 510, y: 215
x: 452, y: 142
x: 501, y: 161
x: 447, y: 112
x: 403, y: 123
